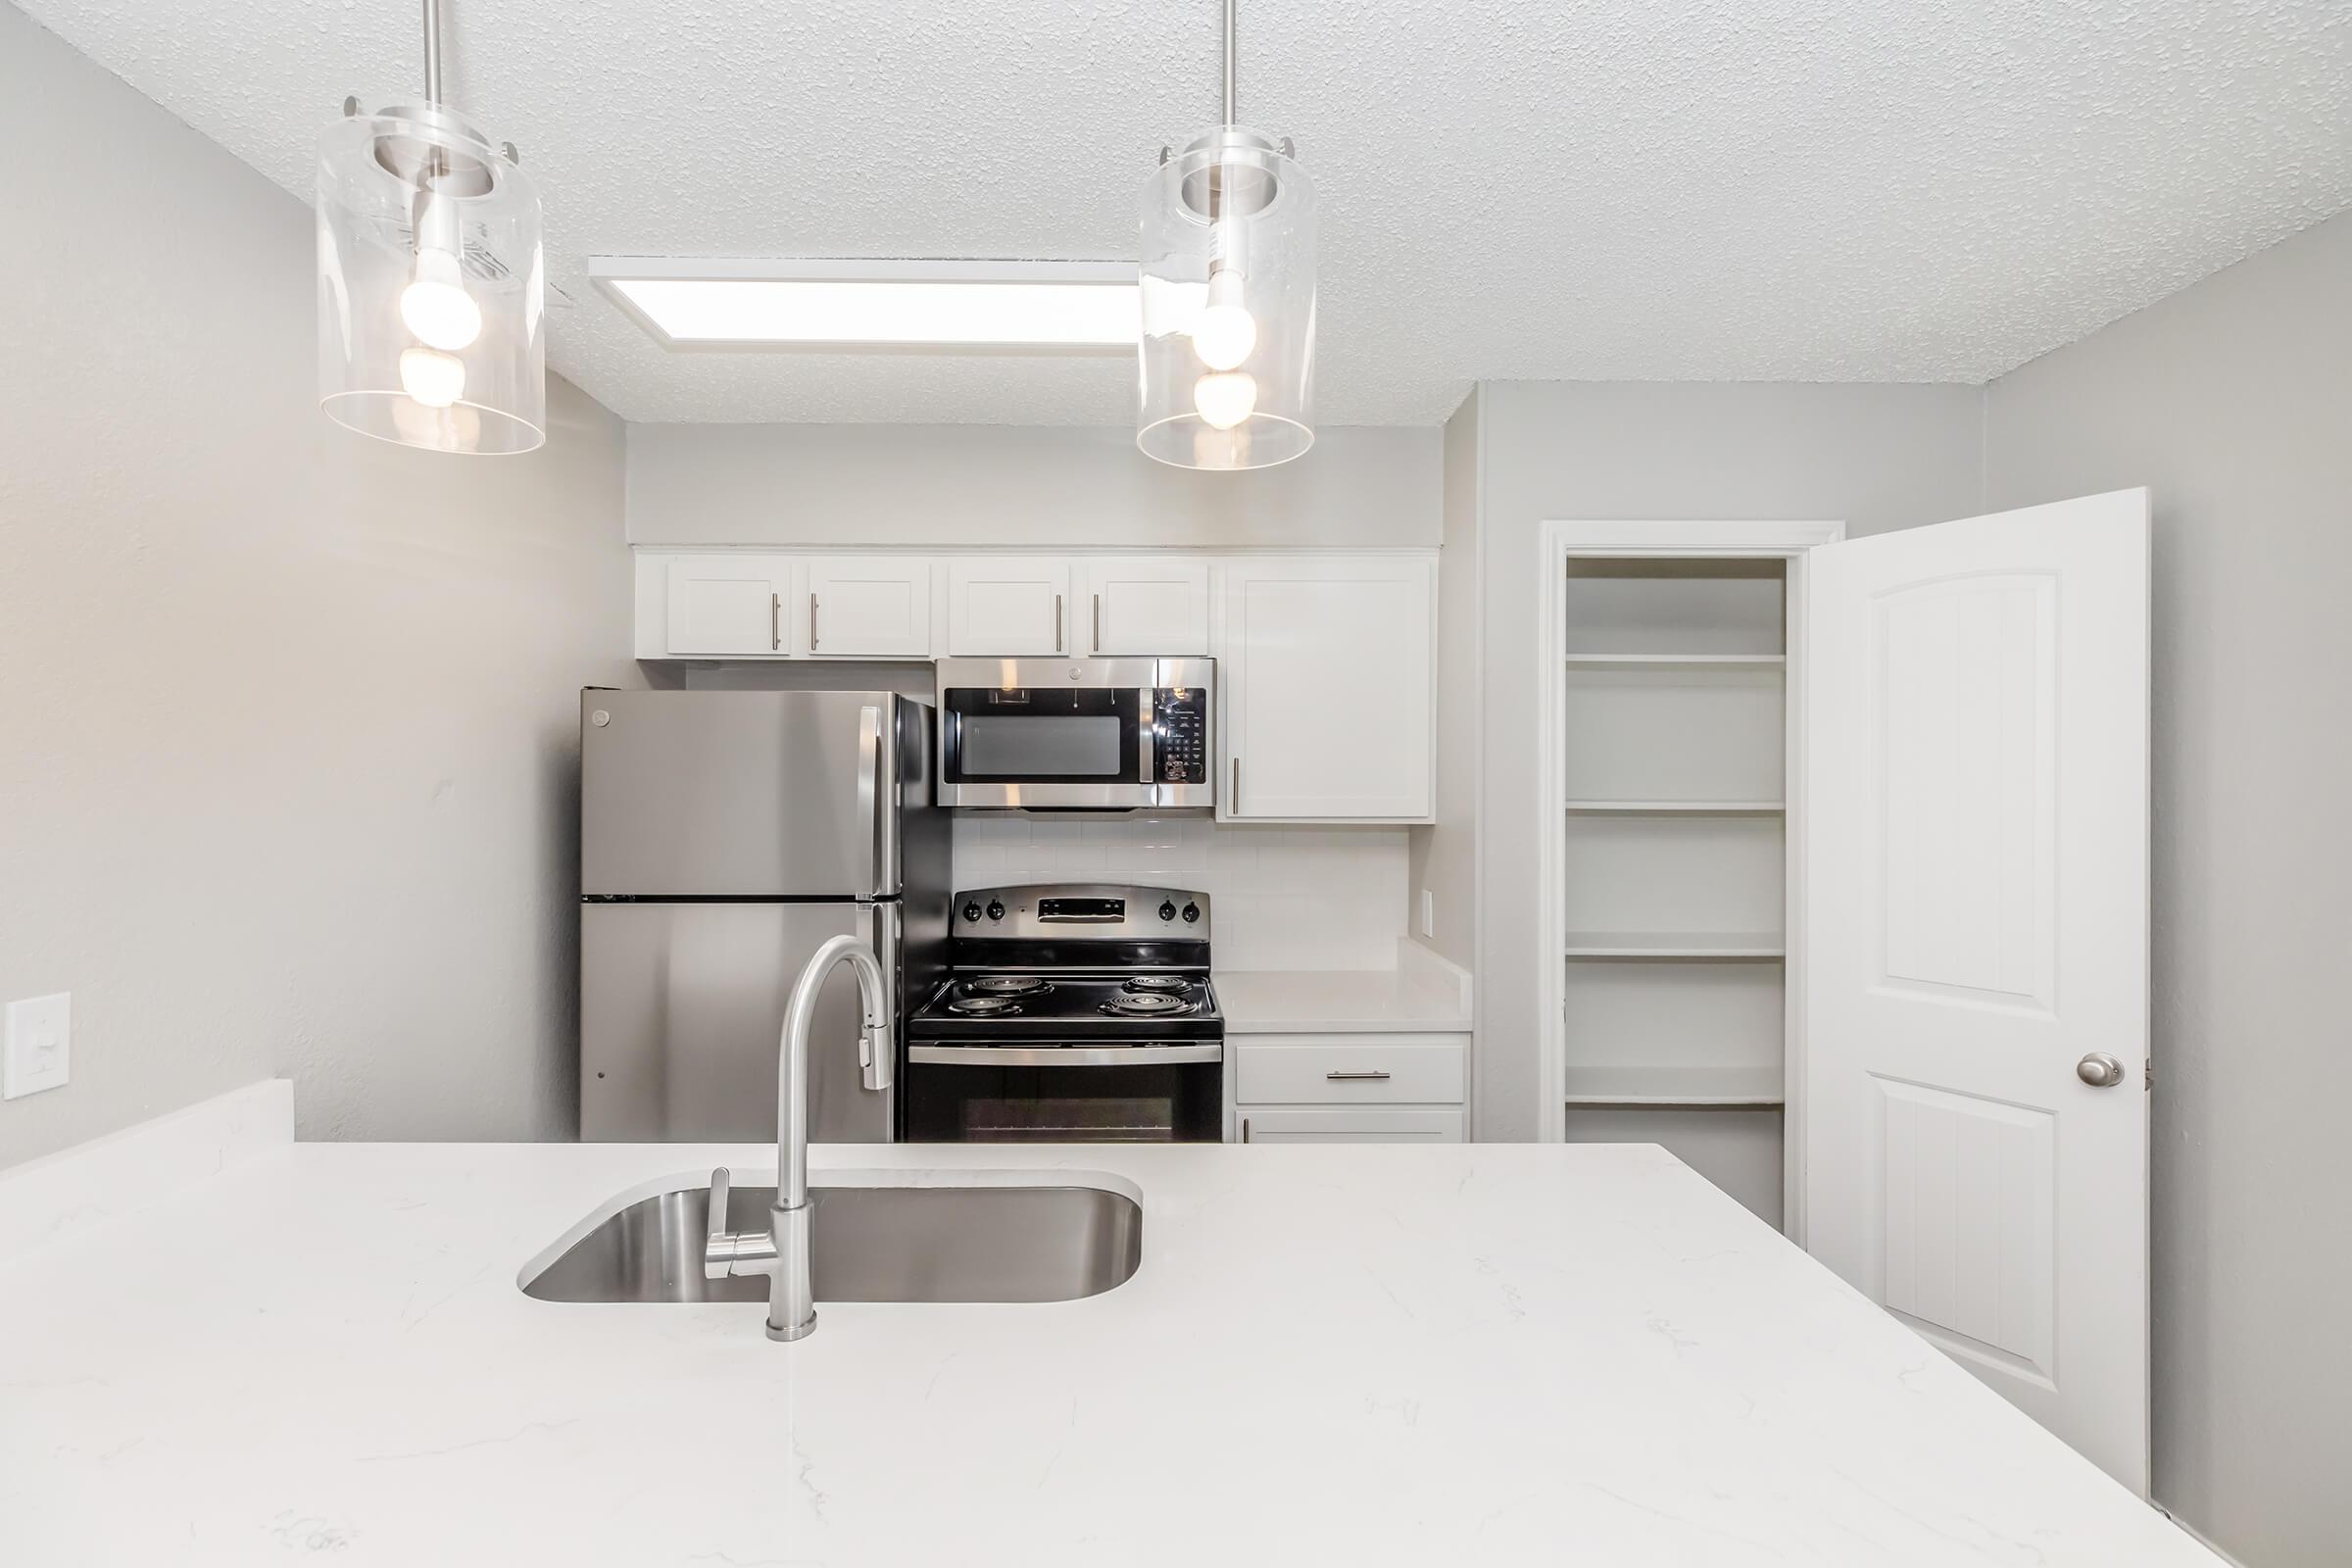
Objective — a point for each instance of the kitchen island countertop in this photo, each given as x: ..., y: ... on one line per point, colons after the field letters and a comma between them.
x: 1465, y: 1354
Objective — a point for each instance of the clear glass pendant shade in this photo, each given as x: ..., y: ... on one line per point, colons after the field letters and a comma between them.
x: 431, y: 285
x: 1227, y: 361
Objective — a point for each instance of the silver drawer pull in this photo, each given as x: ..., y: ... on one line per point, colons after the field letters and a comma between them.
x: 1356, y: 1077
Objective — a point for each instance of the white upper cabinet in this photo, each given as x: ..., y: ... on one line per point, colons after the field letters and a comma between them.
x: 864, y: 606
x: 1155, y: 606
x: 1324, y: 680
x: 729, y: 606
x: 1008, y: 607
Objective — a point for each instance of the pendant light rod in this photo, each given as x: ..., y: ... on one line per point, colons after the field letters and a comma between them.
x: 1229, y: 75
x: 433, y: 51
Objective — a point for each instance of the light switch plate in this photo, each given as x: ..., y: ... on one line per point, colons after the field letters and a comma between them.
x: 1429, y: 913
x: 38, y: 1053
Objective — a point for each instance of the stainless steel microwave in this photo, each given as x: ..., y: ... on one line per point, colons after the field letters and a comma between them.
x: 1076, y: 734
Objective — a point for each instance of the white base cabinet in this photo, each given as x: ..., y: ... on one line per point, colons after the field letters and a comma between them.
x: 1296, y: 1124
x: 1348, y: 1088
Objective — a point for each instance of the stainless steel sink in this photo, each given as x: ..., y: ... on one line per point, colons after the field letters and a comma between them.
x: 872, y: 1244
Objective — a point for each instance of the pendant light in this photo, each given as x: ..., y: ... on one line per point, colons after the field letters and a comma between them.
x: 1228, y: 273
x: 431, y: 285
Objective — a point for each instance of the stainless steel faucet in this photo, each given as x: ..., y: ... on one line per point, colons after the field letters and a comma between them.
x: 782, y: 1251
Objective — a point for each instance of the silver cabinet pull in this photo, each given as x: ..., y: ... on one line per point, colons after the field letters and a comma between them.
x: 1356, y: 1077
x: 1235, y: 806
x: 775, y: 621
x: 1245, y: 1129
x: 1097, y: 623
x: 1058, y: 637
x: 812, y: 621
x: 2099, y: 1070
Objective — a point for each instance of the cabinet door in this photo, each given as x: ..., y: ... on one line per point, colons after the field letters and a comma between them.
x: 1975, y: 950
x: 1146, y: 605
x: 1351, y: 1124
x: 728, y: 606
x: 867, y: 607
x: 1326, y: 683
x: 1008, y: 607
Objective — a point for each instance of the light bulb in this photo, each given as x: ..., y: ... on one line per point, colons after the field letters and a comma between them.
x: 436, y: 305
x: 434, y: 378
x: 1224, y: 333
x: 1225, y: 398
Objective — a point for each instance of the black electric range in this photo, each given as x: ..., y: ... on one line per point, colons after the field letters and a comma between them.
x: 1072, y: 1012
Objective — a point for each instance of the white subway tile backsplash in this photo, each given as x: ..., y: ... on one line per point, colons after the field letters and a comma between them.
x: 1285, y: 898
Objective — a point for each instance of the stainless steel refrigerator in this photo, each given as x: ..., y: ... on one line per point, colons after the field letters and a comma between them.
x: 724, y: 836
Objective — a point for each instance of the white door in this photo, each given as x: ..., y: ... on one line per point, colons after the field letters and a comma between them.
x: 1325, y: 681
x: 867, y: 606
x: 1152, y: 605
x: 1008, y: 607
x: 727, y: 605
x: 1976, y: 891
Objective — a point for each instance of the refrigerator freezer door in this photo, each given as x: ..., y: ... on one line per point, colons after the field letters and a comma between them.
x: 742, y: 794
x: 680, y: 1010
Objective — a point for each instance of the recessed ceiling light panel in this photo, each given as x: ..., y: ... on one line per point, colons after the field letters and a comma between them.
x: 903, y: 306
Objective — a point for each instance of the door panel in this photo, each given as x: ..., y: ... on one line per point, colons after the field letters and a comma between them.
x: 1141, y: 605
x: 867, y: 607
x: 1349, y: 1125
x: 1326, y: 676
x: 681, y: 1014
x: 727, y: 605
x: 1976, y: 906
x: 1007, y: 607
x: 733, y: 793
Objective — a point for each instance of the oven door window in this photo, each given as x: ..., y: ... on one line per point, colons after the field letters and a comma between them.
x: 1040, y: 736
x: 1157, y: 1102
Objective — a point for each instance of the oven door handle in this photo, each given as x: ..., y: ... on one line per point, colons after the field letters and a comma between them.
x: 1106, y: 1056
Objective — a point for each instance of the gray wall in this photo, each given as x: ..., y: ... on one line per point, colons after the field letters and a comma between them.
x: 2233, y: 402
x: 287, y: 785
x: 1876, y: 457
x: 969, y: 484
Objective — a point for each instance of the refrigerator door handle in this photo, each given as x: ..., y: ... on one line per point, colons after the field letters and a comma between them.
x: 869, y: 785
x: 878, y: 929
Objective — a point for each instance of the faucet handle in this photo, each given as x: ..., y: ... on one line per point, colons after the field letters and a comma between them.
x: 716, y: 1254
x: 725, y: 1252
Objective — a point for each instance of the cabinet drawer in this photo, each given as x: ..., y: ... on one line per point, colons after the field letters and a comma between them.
x: 1348, y: 1124
x: 1349, y: 1070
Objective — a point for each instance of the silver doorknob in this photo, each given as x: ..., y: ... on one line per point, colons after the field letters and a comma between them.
x: 2099, y: 1070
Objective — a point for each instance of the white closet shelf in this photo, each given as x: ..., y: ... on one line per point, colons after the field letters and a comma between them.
x: 1674, y: 1086
x: 1694, y: 807
x: 1676, y: 945
x: 1673, y: 661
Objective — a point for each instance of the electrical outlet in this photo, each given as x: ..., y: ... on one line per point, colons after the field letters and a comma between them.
x: 1429, y: 913
x: 38, y: 1053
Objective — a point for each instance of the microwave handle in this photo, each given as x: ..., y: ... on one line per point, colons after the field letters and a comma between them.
x: 1143, y: 735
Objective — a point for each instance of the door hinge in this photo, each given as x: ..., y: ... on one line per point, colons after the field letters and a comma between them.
x: 2147, y: 1073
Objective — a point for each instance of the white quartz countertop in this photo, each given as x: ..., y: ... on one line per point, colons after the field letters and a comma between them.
x: 1464, y: 1355
x: 1340, y: 1001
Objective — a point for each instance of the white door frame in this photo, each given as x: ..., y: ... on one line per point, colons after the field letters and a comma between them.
x: 1558, y: 541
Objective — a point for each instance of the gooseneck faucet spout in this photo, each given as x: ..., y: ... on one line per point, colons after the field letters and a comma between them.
x: 783, y: 1252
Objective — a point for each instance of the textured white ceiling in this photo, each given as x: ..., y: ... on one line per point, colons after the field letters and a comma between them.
x: 1914, y: 190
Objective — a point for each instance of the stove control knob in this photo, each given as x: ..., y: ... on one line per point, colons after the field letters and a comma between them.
x: 971, y: 912
x: 996, y: 910
x: 1192, y: 912
x: 1167, y: 911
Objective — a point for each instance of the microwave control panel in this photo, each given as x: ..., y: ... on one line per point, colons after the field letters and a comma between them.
x: 1180, y: 725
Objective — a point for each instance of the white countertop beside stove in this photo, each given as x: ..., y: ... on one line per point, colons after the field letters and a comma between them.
x: 1466, y: 1354
x: 1424, y: 994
